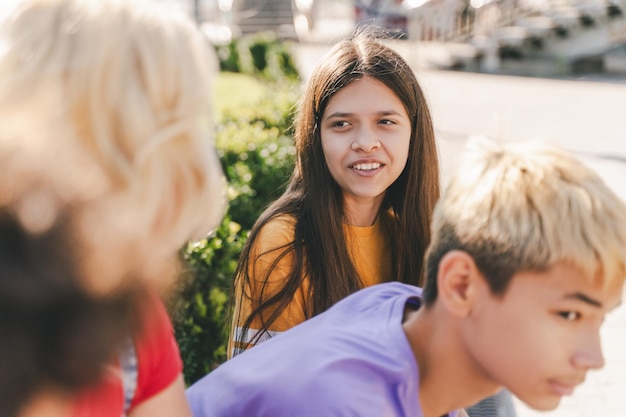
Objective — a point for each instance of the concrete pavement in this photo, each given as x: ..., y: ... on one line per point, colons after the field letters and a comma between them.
x: 586, y: 118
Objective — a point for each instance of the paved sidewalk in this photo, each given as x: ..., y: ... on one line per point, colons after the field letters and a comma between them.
x: 585, y: 117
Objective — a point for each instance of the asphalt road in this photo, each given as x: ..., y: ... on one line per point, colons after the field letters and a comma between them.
x: 587, y: 118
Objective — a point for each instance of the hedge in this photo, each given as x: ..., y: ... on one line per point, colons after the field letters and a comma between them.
x: 256, y: 150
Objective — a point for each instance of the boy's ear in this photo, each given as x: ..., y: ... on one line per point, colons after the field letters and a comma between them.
x: 456, y: 282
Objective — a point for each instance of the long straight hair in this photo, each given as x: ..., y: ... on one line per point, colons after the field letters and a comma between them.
x: 315, y: 200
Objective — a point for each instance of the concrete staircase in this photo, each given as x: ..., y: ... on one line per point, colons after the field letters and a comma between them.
x: 552, y: 38
x: 252, y: 16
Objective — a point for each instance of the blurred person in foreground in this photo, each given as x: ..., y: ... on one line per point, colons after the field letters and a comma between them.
x: 108, y: 169
x: 527, y: 256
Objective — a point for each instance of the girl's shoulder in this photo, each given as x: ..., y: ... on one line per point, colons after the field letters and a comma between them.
x: 281, y: 224
x: 276, y: 232
x: 283, y: 220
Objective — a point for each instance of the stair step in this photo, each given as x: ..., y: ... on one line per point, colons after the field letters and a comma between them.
x: 512, y: 35
x: 266, y: 21
x: 537, y: 26
x: 265, y: 15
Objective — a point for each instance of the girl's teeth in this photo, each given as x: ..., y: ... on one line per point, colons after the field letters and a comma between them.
x: 367, y: 167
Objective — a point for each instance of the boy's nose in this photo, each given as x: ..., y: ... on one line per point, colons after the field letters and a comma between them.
x: 589, y: 355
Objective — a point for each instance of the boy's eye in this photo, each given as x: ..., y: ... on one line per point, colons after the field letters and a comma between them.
x: 569, y: 315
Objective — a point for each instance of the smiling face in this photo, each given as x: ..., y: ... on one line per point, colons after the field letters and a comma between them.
x: 540, y: 338
x: 365, y: 133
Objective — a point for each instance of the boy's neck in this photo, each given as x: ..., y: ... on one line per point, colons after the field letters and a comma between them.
x: 448, y: 378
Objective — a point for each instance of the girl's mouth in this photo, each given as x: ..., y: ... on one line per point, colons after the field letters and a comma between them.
x: 367, y: 167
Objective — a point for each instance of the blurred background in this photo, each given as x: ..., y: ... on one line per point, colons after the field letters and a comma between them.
x: 522, y: 37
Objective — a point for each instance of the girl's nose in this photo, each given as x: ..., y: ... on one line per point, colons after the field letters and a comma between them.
x: 365, y: 141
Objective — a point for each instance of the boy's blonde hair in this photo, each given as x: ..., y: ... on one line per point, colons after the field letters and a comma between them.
x: 105, y: 108
x: 524, y: 207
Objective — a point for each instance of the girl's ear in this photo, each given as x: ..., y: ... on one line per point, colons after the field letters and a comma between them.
x: 456, y: 282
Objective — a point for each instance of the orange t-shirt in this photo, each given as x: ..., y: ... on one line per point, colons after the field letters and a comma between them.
x: 369, y: 249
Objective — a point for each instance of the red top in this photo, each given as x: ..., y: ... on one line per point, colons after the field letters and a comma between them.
x: 158, y: 365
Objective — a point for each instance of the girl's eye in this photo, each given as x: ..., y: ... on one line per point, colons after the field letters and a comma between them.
x: 341, y: 123
x: 386, y: 122
x: 569, y: 315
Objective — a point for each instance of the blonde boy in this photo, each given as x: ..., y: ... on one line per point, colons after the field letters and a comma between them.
x: 528, y: 256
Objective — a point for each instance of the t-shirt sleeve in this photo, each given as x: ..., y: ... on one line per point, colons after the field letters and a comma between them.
x: 159, y: 360
x: 267, y: 251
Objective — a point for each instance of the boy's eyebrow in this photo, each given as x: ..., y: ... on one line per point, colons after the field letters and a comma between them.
x: 584, y: 298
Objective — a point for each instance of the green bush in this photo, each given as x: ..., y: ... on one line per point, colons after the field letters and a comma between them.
x: 201, y: 309
x: 261, y: 55
x: 228, y: 57
x: 257, y: 164
x: 257, y: 154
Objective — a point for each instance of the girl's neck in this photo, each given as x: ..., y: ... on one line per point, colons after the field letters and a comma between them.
x: 360, y: 212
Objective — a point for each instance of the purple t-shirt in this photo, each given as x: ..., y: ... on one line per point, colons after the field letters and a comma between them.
x: 352, y: 360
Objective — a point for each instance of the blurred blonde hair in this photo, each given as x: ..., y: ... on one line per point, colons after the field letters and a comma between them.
x: 526, y: 206
x: 105, y: 107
